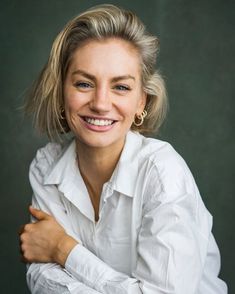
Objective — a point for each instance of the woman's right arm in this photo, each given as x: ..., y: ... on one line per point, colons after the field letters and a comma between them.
x: 50, y: 278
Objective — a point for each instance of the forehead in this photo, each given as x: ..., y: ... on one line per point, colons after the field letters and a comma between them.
x: 112, y: 55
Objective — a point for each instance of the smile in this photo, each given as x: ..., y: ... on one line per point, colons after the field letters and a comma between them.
x: 98, y: 122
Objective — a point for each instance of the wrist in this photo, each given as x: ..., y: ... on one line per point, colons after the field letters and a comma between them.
x: 64, y: 247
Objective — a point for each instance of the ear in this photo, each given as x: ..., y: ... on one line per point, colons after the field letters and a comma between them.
x: 142, y: 103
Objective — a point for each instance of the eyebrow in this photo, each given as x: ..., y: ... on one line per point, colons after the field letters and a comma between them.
x: 93, y: 78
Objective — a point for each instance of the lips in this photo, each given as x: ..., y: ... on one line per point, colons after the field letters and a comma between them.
x: 98, y: 121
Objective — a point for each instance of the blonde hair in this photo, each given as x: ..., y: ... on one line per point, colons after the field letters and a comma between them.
x: 45, y: 100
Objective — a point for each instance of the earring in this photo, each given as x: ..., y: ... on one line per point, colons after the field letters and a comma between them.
x: 62, y: 113
x: 139, y: 118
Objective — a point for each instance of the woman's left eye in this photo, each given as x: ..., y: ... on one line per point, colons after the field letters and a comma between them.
x: 122, y: 88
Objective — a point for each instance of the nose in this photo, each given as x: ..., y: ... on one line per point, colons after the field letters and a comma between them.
x: 101, y: 100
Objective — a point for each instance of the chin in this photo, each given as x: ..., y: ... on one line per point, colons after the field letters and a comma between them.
x: 99, y: 141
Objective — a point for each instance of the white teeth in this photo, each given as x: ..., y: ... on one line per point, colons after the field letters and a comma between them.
x: 98, y: 122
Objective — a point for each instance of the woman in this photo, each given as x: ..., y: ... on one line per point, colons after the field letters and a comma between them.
x: 113, y: 211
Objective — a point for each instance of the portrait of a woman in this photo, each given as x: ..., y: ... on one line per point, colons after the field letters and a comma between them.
x: 113, y: 210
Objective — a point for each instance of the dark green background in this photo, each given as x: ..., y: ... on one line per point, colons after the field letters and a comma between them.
x: 197, y: 61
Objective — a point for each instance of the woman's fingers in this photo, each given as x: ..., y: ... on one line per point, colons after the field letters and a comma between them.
x: 39, y: 240
x: 39, y: 214
x: 20, y: 232
x: 45, y: 240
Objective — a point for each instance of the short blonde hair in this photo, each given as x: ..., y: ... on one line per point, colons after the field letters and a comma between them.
x: 45, y: 99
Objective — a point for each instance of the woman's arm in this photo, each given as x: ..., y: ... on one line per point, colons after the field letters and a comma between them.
x: 45, y: 245
x: 171, y: 255
x: 45, y: 240
x: 51, y: 278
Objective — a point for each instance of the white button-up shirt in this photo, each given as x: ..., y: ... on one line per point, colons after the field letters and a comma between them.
x: 154, y: 232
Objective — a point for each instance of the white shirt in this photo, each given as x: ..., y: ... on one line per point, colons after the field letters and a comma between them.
x: 154, y: 232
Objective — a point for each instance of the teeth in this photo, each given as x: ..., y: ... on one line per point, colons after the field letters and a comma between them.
x: 98, y: 122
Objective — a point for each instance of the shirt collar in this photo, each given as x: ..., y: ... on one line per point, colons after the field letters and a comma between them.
x: 125, y: 174
x: 66, y: 175
x: 65, y: 172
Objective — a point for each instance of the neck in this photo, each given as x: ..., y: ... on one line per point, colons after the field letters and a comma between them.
x: 96, y: 166
x: 97, y: 161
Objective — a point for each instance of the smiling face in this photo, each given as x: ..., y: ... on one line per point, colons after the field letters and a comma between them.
x: 103, y: 92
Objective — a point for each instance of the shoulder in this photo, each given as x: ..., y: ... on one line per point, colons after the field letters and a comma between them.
x: 46, y: 157
x: 166, y: 167
x: 165, y: 182
x: 162, y: 155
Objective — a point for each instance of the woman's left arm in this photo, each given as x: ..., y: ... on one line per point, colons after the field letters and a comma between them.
x: 45, y: 240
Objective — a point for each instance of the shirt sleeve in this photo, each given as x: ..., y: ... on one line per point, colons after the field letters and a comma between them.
x: 52, y: 279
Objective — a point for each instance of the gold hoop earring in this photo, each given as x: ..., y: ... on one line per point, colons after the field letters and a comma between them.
x: 139, y: 118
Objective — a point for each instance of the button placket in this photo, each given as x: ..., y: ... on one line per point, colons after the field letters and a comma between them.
x: 102, y: 202
x: 106, y: 192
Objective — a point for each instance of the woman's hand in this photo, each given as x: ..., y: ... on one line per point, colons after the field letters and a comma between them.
x: 45, y: 240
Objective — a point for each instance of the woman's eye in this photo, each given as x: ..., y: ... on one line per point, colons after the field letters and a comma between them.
x: 83, y: 85
x: 122, y: 88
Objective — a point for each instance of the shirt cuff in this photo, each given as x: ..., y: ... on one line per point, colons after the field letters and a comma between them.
x: 89, y: 269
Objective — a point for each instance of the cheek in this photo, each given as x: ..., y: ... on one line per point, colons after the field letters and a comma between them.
x: 131, y: 107
x: 72, y: 118
x: 71, y: 106
x: 72, y: 102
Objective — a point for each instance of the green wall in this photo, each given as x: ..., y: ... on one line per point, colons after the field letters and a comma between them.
x: 197, y: 61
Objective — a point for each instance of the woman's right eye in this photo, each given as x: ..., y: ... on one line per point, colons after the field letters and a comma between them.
x: 83, y: 85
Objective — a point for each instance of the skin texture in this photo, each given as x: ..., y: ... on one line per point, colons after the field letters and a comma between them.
x: 103, y: 82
